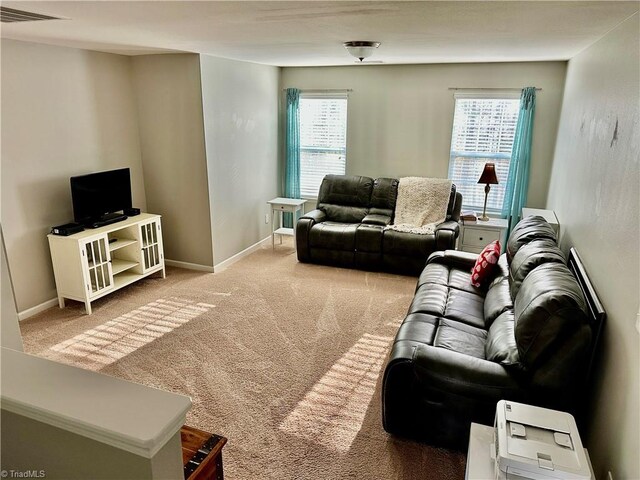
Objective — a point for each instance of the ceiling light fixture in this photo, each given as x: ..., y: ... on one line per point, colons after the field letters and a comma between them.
x: 360, y: 49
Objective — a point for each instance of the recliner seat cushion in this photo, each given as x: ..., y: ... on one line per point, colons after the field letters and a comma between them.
x: 527, y: 230
x: 549, y: 307
x: 460, y: 338
x: 408, y: 244
x: 333, y: 236
x: 369, y: 238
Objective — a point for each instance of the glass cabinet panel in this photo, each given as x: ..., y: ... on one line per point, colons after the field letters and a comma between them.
x: 97, y: 255
x: 151, y: 254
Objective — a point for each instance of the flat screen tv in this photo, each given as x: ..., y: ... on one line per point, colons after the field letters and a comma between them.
x: 98, y: 195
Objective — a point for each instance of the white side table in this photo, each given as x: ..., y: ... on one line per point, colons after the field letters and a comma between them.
x: 475, y: 236
x: 548, y: 215
x: 282, y: 205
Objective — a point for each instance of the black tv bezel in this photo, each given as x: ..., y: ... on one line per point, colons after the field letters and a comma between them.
x: 90, y: 216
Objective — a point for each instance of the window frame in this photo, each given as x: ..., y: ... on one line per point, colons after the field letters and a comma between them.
x: 328, y: 95
x: 496, y: 94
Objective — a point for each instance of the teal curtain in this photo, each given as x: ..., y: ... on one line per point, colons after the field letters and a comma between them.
x: 518, y: 179
x: 292, y: 145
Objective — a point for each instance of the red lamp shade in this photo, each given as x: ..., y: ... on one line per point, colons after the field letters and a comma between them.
x: 489, y: 174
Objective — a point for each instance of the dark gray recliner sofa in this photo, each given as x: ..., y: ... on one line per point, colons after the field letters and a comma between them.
x: 347, y: 228
x: 529, y: 336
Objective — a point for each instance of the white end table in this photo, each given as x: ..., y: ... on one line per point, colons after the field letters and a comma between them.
x: 282, y: 205
x: 548, y: 215
x: 475, y: 236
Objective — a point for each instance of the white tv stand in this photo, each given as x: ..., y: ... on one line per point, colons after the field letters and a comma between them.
x: 93, y: 263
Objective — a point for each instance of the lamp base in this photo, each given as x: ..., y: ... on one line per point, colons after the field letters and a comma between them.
x: 484, y: 218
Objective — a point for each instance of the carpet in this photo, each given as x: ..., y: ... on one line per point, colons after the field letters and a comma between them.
x: 284, y: 359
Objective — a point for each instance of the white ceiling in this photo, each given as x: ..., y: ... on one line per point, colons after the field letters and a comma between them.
x: 310, y: 33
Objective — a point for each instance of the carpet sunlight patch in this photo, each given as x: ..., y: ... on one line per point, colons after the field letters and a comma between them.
x: 121, y: 336
x: 336, y: 405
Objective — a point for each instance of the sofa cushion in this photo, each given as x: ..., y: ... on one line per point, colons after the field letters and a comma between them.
x: 430, y: 298
x: 333, y: 235
x: 345, y: 198
x: 418, y: 327
x: 343, y: 213
x: 383, y: 196
x: 369, y: 238
x: 530, y: 256
x: 527, y: 230
x: 497, y: 300
x: 549, y: 307
x: 501, y: 341
x: 446, y: 275
x: 465, y: 307
x: 408, y: 244
x: 460, y: 338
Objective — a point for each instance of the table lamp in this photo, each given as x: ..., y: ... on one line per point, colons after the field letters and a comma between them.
x: 489, y: 178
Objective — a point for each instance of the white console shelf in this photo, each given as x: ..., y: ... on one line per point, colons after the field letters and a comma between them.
x: 93, y: 263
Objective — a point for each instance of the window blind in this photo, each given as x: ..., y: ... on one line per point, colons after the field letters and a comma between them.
x: 483, y: 131
x: 323, y: 140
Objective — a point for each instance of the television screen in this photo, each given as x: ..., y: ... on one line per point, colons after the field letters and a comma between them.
x: 98, y: 194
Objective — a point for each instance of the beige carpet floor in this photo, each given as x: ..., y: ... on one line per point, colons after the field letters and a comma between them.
x: 284, y: 359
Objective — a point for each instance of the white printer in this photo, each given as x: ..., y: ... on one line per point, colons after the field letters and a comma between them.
x: 537, y: 443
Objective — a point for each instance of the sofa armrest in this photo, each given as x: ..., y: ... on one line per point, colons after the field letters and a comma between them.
x: 446, y: 234
x: 377, y: 219
x: 317, y: 215
x: 464, y: 375
x: 303, y: 230
x: 454, y: 258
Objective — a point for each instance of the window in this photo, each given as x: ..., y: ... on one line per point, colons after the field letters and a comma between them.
x: 323, y: 140
x: 483, y: 131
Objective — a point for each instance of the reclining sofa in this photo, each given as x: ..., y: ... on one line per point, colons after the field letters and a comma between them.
x: 526, y: 337
x: 347, y: 228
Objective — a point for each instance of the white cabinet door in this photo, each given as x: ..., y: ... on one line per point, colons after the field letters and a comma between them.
x: 151, y: 246
x: 97, y: 265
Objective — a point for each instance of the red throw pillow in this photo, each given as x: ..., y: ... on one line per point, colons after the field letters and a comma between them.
x: 485, y: 264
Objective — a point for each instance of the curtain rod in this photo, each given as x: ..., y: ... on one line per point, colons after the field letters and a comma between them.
x: 489, y: 88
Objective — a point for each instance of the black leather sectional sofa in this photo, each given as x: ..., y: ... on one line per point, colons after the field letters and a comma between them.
x: 527, y: 337
x: 347, y: 228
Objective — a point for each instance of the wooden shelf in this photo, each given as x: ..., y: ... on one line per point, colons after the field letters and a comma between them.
x: 118, y: 265
x: 87, y: 259
x: 125, y: 278
x: 121, y: 243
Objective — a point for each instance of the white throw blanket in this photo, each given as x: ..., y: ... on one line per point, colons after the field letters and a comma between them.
x: 421, y: 205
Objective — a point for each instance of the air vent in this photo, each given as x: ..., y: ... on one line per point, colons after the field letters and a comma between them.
x: 11, y: 15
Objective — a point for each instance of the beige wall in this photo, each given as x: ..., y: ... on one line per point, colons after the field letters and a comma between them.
x: 400, y: 116
x: 65, y: 112
x: 240, y: 102
x: 595, y: 193
x: 169, y: 103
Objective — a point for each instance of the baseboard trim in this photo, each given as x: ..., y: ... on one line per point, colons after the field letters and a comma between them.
x: 30, y: 312
x: 189, y: 266
x: 238, y: 256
